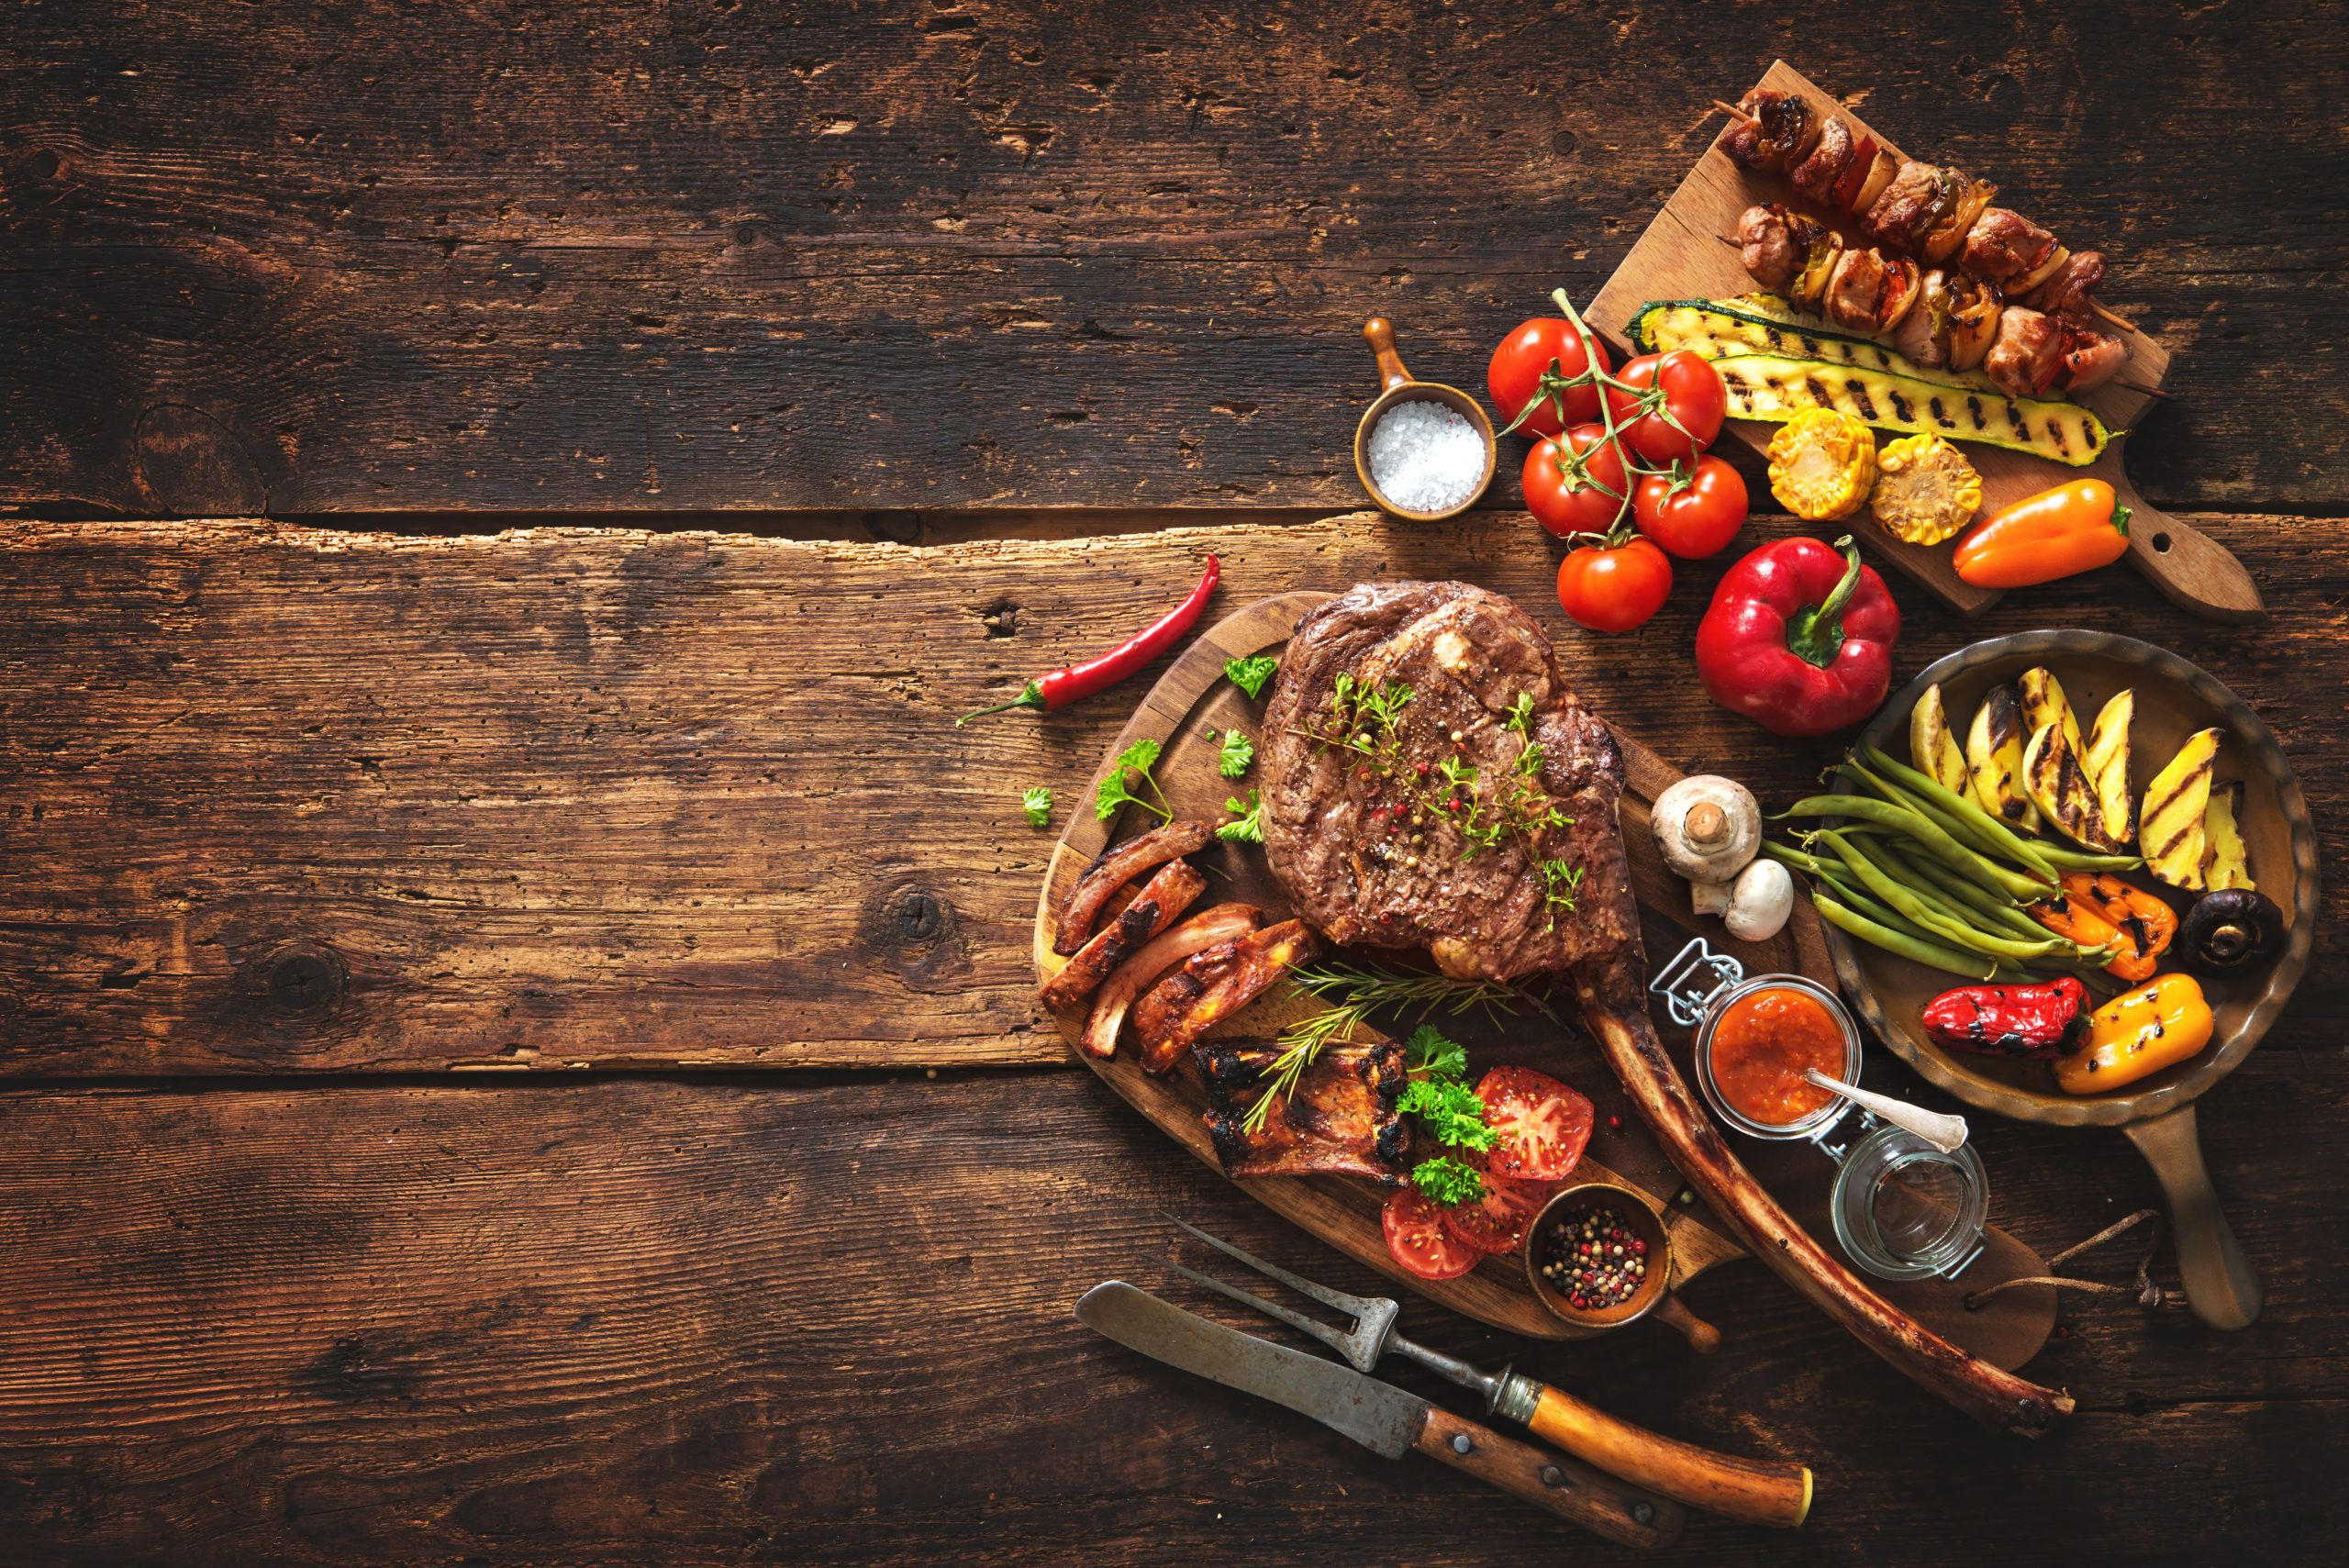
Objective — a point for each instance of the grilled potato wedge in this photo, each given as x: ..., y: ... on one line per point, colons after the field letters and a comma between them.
x: 2170, y: 833
x: 2226, y: 861
x: 2105, y: 762
x: 1994, y: 759
x: 1932, y: 747
x: 2053, y: 779
x: 2042, y: 704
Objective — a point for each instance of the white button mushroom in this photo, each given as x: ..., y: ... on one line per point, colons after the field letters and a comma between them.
x: 1710, y: 897
x: 1760, y: 902
x: 1708, y: 827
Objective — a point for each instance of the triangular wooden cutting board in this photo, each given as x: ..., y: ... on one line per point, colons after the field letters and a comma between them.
x: 1682, y: 256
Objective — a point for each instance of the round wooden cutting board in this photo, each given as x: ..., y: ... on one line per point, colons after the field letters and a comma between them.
x: 1185, y: 712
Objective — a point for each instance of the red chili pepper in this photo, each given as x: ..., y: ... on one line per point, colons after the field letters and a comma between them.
x: 1064, y: 687
x: 2039, y: 1021
x: 1798, y: 638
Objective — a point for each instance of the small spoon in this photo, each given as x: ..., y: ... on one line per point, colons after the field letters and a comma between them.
x: 1946, y: 1133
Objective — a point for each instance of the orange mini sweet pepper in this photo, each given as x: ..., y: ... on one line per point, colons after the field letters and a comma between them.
x: 2139, y: 1033
x: 2093, y: 910
x: 2072, y: 528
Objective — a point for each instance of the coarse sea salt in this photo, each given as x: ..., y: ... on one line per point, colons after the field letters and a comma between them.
x: 1424, y: 457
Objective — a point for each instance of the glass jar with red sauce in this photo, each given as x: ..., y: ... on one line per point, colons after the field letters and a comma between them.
x: 1757, y: 1037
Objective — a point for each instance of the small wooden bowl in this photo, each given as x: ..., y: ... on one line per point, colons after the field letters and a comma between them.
x: 1639, y: 1218
x: 1379, y: 333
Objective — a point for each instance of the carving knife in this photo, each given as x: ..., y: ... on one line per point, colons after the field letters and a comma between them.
x: 1381, y: 1418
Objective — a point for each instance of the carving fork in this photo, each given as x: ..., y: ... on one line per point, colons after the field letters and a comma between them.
x: 1756, y: 1491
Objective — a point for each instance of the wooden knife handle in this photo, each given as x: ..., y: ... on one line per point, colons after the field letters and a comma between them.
x: 1573, y: 1492
x: 1757, y: 1491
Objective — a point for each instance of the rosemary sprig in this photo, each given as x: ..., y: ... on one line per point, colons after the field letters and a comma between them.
x: 1367, y: 989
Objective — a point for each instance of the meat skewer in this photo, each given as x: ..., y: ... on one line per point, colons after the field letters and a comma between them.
x: 1985, y: 254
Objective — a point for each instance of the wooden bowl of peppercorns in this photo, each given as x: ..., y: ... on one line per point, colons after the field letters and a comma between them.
x: 1597, y: 1255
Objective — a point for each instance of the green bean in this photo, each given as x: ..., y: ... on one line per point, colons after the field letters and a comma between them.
x: 2057, y: 856
x: 2027, y: 884
x: 1979, y: 868
x: 1951, y: 926
x: 1988, y: 824
x: 1834, y: 873
x: 1960, y: 891
x: 1859, y: 903
x: 1965, y: 830
x: 2080, y: 860
x: 1793, y: 856
x: 1931, y: 954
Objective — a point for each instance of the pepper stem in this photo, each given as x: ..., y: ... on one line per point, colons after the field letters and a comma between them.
x: 1033, y: 697
x: 1815, y: 635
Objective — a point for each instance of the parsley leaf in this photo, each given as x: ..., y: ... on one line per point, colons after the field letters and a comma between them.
x: 1238, y: 754
x: 1448, y: 1181
x: 1451, y: 1109
x: 1039, y: 802
x: 1433, y: 1054
x: 1250, y: 828
x: 1249, y: 674
x: 1138, y: 758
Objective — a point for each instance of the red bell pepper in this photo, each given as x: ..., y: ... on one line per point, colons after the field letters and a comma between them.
x: 1798, y: 638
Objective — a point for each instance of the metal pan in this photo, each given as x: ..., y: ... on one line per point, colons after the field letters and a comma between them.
x: 2173, y: 699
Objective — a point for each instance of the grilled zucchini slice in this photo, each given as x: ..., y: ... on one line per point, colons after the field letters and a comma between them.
x: 1765, y: 324
x: 1772, y: 388
x: 2171, y: 836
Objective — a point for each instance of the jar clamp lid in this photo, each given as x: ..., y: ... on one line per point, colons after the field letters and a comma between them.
x: 1902, y: 1209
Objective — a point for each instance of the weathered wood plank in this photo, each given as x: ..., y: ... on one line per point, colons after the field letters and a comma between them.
x: 368, y: 257
x: 616, y: 1320
x: 288, y: 800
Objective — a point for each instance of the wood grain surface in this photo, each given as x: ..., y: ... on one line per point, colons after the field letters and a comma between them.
x: 283, y: 800
x: 825, y: 1320
x: 1031, y: 287
x: 369, y: 257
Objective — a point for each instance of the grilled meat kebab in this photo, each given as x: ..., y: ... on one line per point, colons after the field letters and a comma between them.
x: 1920, y: 215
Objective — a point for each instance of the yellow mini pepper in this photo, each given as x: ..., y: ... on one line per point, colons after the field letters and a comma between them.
x: 2138, y: 1032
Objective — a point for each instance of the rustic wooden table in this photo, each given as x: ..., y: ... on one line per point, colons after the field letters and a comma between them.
x: 519, y: 1030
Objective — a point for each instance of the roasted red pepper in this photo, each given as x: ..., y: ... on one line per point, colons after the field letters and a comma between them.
x: 1067, y: 685
x: 1799, y: 638
x: 2039, y: 1021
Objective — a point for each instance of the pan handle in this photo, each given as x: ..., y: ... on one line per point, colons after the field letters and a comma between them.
x: 2219, y: 1284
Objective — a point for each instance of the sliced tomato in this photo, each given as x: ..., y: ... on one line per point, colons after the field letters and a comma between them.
x: 1417, y: 1238
x: 1544, y: 1124
x: 1498, y: 1223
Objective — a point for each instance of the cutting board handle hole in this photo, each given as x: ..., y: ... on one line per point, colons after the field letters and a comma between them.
x: 2161, y: 544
